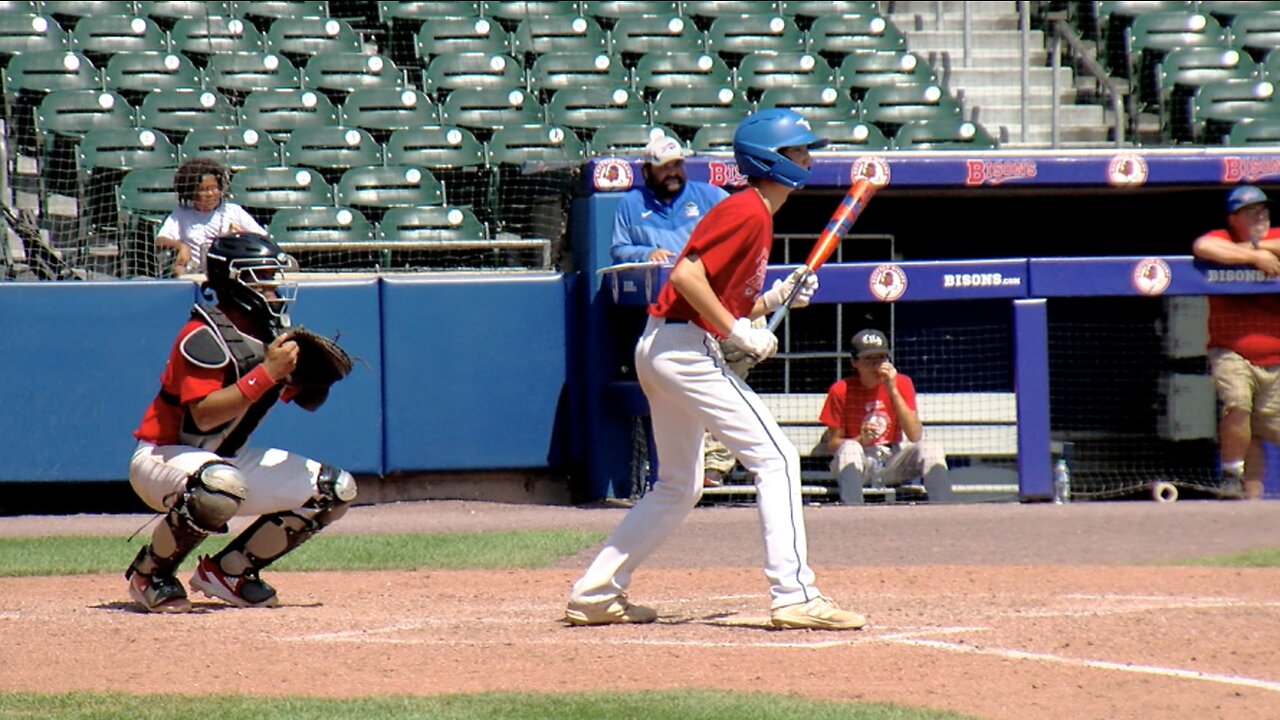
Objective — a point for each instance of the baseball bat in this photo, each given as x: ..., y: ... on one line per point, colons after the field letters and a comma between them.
x: 854, y: 202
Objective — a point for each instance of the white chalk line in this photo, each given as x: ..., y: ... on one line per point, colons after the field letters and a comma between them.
x: 1097, y: 664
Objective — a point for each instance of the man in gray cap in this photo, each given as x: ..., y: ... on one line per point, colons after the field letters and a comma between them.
x: 1244, y: 342
x: 868, y: 415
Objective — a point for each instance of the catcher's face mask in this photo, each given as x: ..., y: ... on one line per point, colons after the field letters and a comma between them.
x: 268, y: 280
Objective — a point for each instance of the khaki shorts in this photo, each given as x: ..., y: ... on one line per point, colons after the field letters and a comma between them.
x: 1241, y: 384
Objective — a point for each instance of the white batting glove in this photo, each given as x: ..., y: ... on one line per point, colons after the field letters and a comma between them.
x: 760, y: 343
x: 782, y: 288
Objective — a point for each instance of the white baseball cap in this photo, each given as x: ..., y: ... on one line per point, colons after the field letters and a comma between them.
x: 662, y: 150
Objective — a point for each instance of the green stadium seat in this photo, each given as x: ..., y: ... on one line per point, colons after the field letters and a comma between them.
x: 813, y: 102
x: 235, y: 75
x: 705, y: 13
x: 167, y: 13
x: 1218, y: 106
x: 69, y: 13
x: 331, y: 150
x: 177, y: 112
x: 943, y: 134
x: 764, y: 71
x: 1256, y: 32
x: 850, y: 136
x: 805, y: 13
x: 144, y: 198
x: 1152, y: 35
x: 637, y: 35
x: 1255, y: 132
x: 99, y: 37
x: 591, y: 108
x: 545, y: 144
x: 265, y: 12
x: 134, y: 74
x: 1184, y: 70
x: 536, y: 166
x: 688, y: 108
x: 30, y: 32
x: 72, y: 113
x: 455, y: 35
x: 446, y: 73
x: 301, y: 38
x: 891, y: 106
x: 834, y: 36
x: 103, y: 157
x: 300, y: 231
x: 484, y: 110
x: 339, y: 74
x: 48, y: 70
x: 265, y: 190
x: 608, y: 12
x: 382, y: 111
x: 733, y: 37
x: 279, y: 112
x: 859, y: 72
x: 557, y: 34
x: 435, y: 224
x: 453, y: 154
x: 236, y: 148
x: 511, y: 14
x: 557, y: 71
x: 627, y: 139
x: 1270, y: 67
x: 202, y: 38
x: 658, y: 71
x: 403, y: 20
x: 717, y: 137
x: 1115, y: 17
x: 375, y: 188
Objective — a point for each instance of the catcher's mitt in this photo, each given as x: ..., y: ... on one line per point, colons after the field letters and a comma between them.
x: 321, y: 363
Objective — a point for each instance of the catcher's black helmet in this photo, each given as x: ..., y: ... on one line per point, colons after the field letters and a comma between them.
x: 247, y: 270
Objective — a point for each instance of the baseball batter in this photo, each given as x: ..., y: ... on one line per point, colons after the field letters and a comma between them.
x: 227, y: 369
x: 714, y: 291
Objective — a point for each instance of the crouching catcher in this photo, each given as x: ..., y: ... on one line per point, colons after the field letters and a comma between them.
x: 229, y: 365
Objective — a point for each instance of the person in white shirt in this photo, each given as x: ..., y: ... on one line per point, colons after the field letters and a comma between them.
x: 202, y: 214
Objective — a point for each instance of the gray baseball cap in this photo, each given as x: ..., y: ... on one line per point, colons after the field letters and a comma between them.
x: 869, y: 342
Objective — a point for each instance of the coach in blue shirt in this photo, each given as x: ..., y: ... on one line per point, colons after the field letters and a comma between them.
x: 654, y: 222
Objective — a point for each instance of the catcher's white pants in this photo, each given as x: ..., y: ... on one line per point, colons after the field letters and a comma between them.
x: 691, y: 391
x: 276, y: 480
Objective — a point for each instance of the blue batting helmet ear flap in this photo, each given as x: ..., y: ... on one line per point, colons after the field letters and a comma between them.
x: 759, y: 137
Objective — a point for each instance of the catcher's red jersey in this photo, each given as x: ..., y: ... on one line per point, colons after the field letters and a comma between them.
x: 181, y: 382
x: 733, y: 242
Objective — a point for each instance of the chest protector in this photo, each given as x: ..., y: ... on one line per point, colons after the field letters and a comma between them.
x: 221, y: 344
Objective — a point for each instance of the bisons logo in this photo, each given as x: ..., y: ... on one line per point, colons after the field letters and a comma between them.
x: 1127, y: 170
x: 888, y: 282
x: 873, y: 168
x: 994, y: 172
x: 1151, y: 276
x: 1237, y: 169
x: 725, y: 174
x: 613, y: 174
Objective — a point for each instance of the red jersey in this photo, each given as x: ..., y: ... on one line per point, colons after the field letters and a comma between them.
x: 181, y: 383
x: 1246, y: 324
x: 733, y: 242
x: 866, y: 414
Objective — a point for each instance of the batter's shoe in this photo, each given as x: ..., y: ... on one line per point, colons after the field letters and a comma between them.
x: 157, y: 593
x: 608, y: 612
x: 246, y: 590
x: 819, y: 613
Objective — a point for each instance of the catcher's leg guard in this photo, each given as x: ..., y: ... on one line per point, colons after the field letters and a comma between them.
x: 233, y: 573
x: 213, y: 494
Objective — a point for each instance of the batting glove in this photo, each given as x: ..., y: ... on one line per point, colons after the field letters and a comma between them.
x: 760, y: 343
x: 776, y: 295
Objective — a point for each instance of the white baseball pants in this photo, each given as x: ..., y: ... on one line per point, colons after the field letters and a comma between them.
x: 690, y: 391
x: 276, y: 480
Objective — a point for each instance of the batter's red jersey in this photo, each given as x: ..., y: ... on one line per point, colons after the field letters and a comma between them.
x: 184, y: 382
x: 733, y: 242
x: 854, y: 409
x: 1247, y: 324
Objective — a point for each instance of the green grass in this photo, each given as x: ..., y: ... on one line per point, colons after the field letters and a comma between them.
x: 1264, y: 558
x: 72, y: 555
x: 667, y: 705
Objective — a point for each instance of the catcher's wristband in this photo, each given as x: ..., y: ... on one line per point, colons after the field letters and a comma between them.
x: 256, y: 383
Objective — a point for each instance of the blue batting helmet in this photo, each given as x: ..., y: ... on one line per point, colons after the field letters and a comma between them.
x: 759, y: 137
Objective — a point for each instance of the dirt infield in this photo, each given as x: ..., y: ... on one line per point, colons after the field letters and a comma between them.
x: 1000, y: 611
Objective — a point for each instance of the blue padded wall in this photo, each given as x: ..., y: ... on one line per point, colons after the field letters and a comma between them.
x: 475, y: 371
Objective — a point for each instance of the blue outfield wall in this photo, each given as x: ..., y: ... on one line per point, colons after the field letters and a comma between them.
x: 452, y: 374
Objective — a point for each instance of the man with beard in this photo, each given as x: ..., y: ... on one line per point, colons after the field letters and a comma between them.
x: 654, y: 221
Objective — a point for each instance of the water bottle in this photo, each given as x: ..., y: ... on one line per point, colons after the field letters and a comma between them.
x: 1061, y: 482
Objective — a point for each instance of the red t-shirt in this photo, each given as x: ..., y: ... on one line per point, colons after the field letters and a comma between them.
x: 733, y: 242
x: 1246, y: 324
x: 182, y: 380
x: 854, y: 409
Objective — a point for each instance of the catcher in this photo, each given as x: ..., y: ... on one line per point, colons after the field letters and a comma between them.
x: 230, y: 363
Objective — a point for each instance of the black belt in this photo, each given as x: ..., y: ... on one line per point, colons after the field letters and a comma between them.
x: 676, y: 321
